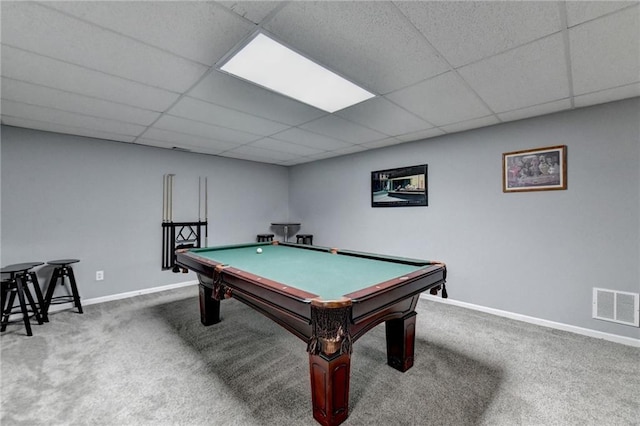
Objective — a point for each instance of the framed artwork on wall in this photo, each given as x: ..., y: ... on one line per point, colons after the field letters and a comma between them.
x: 400, y: 187
x: 540, y: 169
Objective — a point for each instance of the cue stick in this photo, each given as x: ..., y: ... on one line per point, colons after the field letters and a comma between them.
x: 199, y: 197
x: 165, y: 195
x: 172, y: 183
x: 170, y: 205
x: 206, y: 227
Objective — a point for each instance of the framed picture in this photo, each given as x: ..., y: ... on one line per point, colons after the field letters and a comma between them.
x: 399, y: 187
x: 540, y: 169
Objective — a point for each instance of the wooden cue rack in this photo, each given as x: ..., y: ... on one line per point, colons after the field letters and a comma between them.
x: 178, y: 235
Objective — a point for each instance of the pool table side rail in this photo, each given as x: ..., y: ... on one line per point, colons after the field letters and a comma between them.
x: 390, y: 300
x: 191, y: 260
x: 290, y: 307
x: 364, y: 255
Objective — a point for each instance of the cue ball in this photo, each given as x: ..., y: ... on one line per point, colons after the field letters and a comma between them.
x: 259, y: 251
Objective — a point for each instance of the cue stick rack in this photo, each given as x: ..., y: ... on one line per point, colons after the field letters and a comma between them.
x: 179, y: 235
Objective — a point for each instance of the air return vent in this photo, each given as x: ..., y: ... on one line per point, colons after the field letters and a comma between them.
x: 616, y: 306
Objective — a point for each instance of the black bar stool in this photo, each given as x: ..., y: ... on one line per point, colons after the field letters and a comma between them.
x: 18, y: 285
x: 62, y: 269
x: 304, y: 239
x: 30, y: 276
x: 265, y: 238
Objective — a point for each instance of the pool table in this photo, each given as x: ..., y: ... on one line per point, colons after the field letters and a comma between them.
x: 327, y: 297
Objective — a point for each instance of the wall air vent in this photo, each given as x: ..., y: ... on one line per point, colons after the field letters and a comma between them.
x: 616, y: 306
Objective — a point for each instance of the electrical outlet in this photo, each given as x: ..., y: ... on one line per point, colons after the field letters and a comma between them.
x: 99, y: 275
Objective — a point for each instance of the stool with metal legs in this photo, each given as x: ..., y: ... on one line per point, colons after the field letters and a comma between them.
x: 17, y: 285
x: 61, y: 270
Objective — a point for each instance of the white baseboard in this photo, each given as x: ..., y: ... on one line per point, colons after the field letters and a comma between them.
x: 629, y: 341
x: 119, y: 296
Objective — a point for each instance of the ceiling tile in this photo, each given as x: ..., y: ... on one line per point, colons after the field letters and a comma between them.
x: 471, y: 124
x: 310, y: 139
x: 338, y: 128
x: 277, y: 145
x: 208, y: 149
x: 529, y: 75
x: 465, y: 31
x: 333, y: 154
x: 200, y: 31
x: 602, y: 58
x: 209, y: 131
x: 384, y: 116
x: 299, y: 160
x: 369, y: 43
x: 181, y: 139
x: 101, y: 69
x: 249, y: 152
x: 254, y: 11
x: 49, y: 115
x: 213, y: 114
x: 382, y: 143
x: 68, y: 130
x: 536, y: 110
x: 29, y: 67
x: 247, y: 157
x: 441, y: 100
x: 582, y: 11
x: 59, y: 36
x: 222, y: 89
x: 608, y: 95
x: 349, y: 150
x: 28, y: 93
x: 423, y: 134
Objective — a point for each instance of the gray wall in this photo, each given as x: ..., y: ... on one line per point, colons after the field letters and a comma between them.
x: 537, y: 253
x: 72, y: 197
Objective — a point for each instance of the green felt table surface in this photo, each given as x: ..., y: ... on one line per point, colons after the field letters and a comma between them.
x: 328, y: 275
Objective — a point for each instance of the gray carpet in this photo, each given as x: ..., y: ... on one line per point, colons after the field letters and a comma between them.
x: 148, y: 361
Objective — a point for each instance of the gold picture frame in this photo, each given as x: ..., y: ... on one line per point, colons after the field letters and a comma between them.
x: 540, y: 169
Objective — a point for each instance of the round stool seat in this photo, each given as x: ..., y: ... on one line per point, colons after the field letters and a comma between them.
x: 63, y: 262
x: 19, y: 267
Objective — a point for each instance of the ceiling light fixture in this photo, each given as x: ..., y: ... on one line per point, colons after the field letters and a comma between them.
x: 267, y: 63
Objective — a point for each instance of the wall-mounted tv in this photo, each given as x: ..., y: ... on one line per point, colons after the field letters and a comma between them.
x: 400, y: 187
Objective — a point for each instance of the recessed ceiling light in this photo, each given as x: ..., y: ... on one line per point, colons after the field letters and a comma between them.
x: 265, y: 62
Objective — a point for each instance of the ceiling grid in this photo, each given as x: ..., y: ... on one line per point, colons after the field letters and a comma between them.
x: 147, y: 72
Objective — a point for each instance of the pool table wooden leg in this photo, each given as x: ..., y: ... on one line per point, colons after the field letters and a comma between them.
x: 209, y: 307
x: 401, y: 334
x: 330, y: 387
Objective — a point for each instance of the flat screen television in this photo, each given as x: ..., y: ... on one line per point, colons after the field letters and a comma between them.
x: 400, y: 187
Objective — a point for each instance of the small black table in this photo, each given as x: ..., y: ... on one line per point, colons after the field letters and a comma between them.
x: 285, y: 226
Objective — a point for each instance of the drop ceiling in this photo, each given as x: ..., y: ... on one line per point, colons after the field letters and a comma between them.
x: 147, y: 72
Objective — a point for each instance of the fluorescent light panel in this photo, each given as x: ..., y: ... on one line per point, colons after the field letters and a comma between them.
x: 268, y: 63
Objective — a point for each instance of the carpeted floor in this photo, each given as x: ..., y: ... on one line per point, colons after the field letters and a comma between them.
x: 148, y: 361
